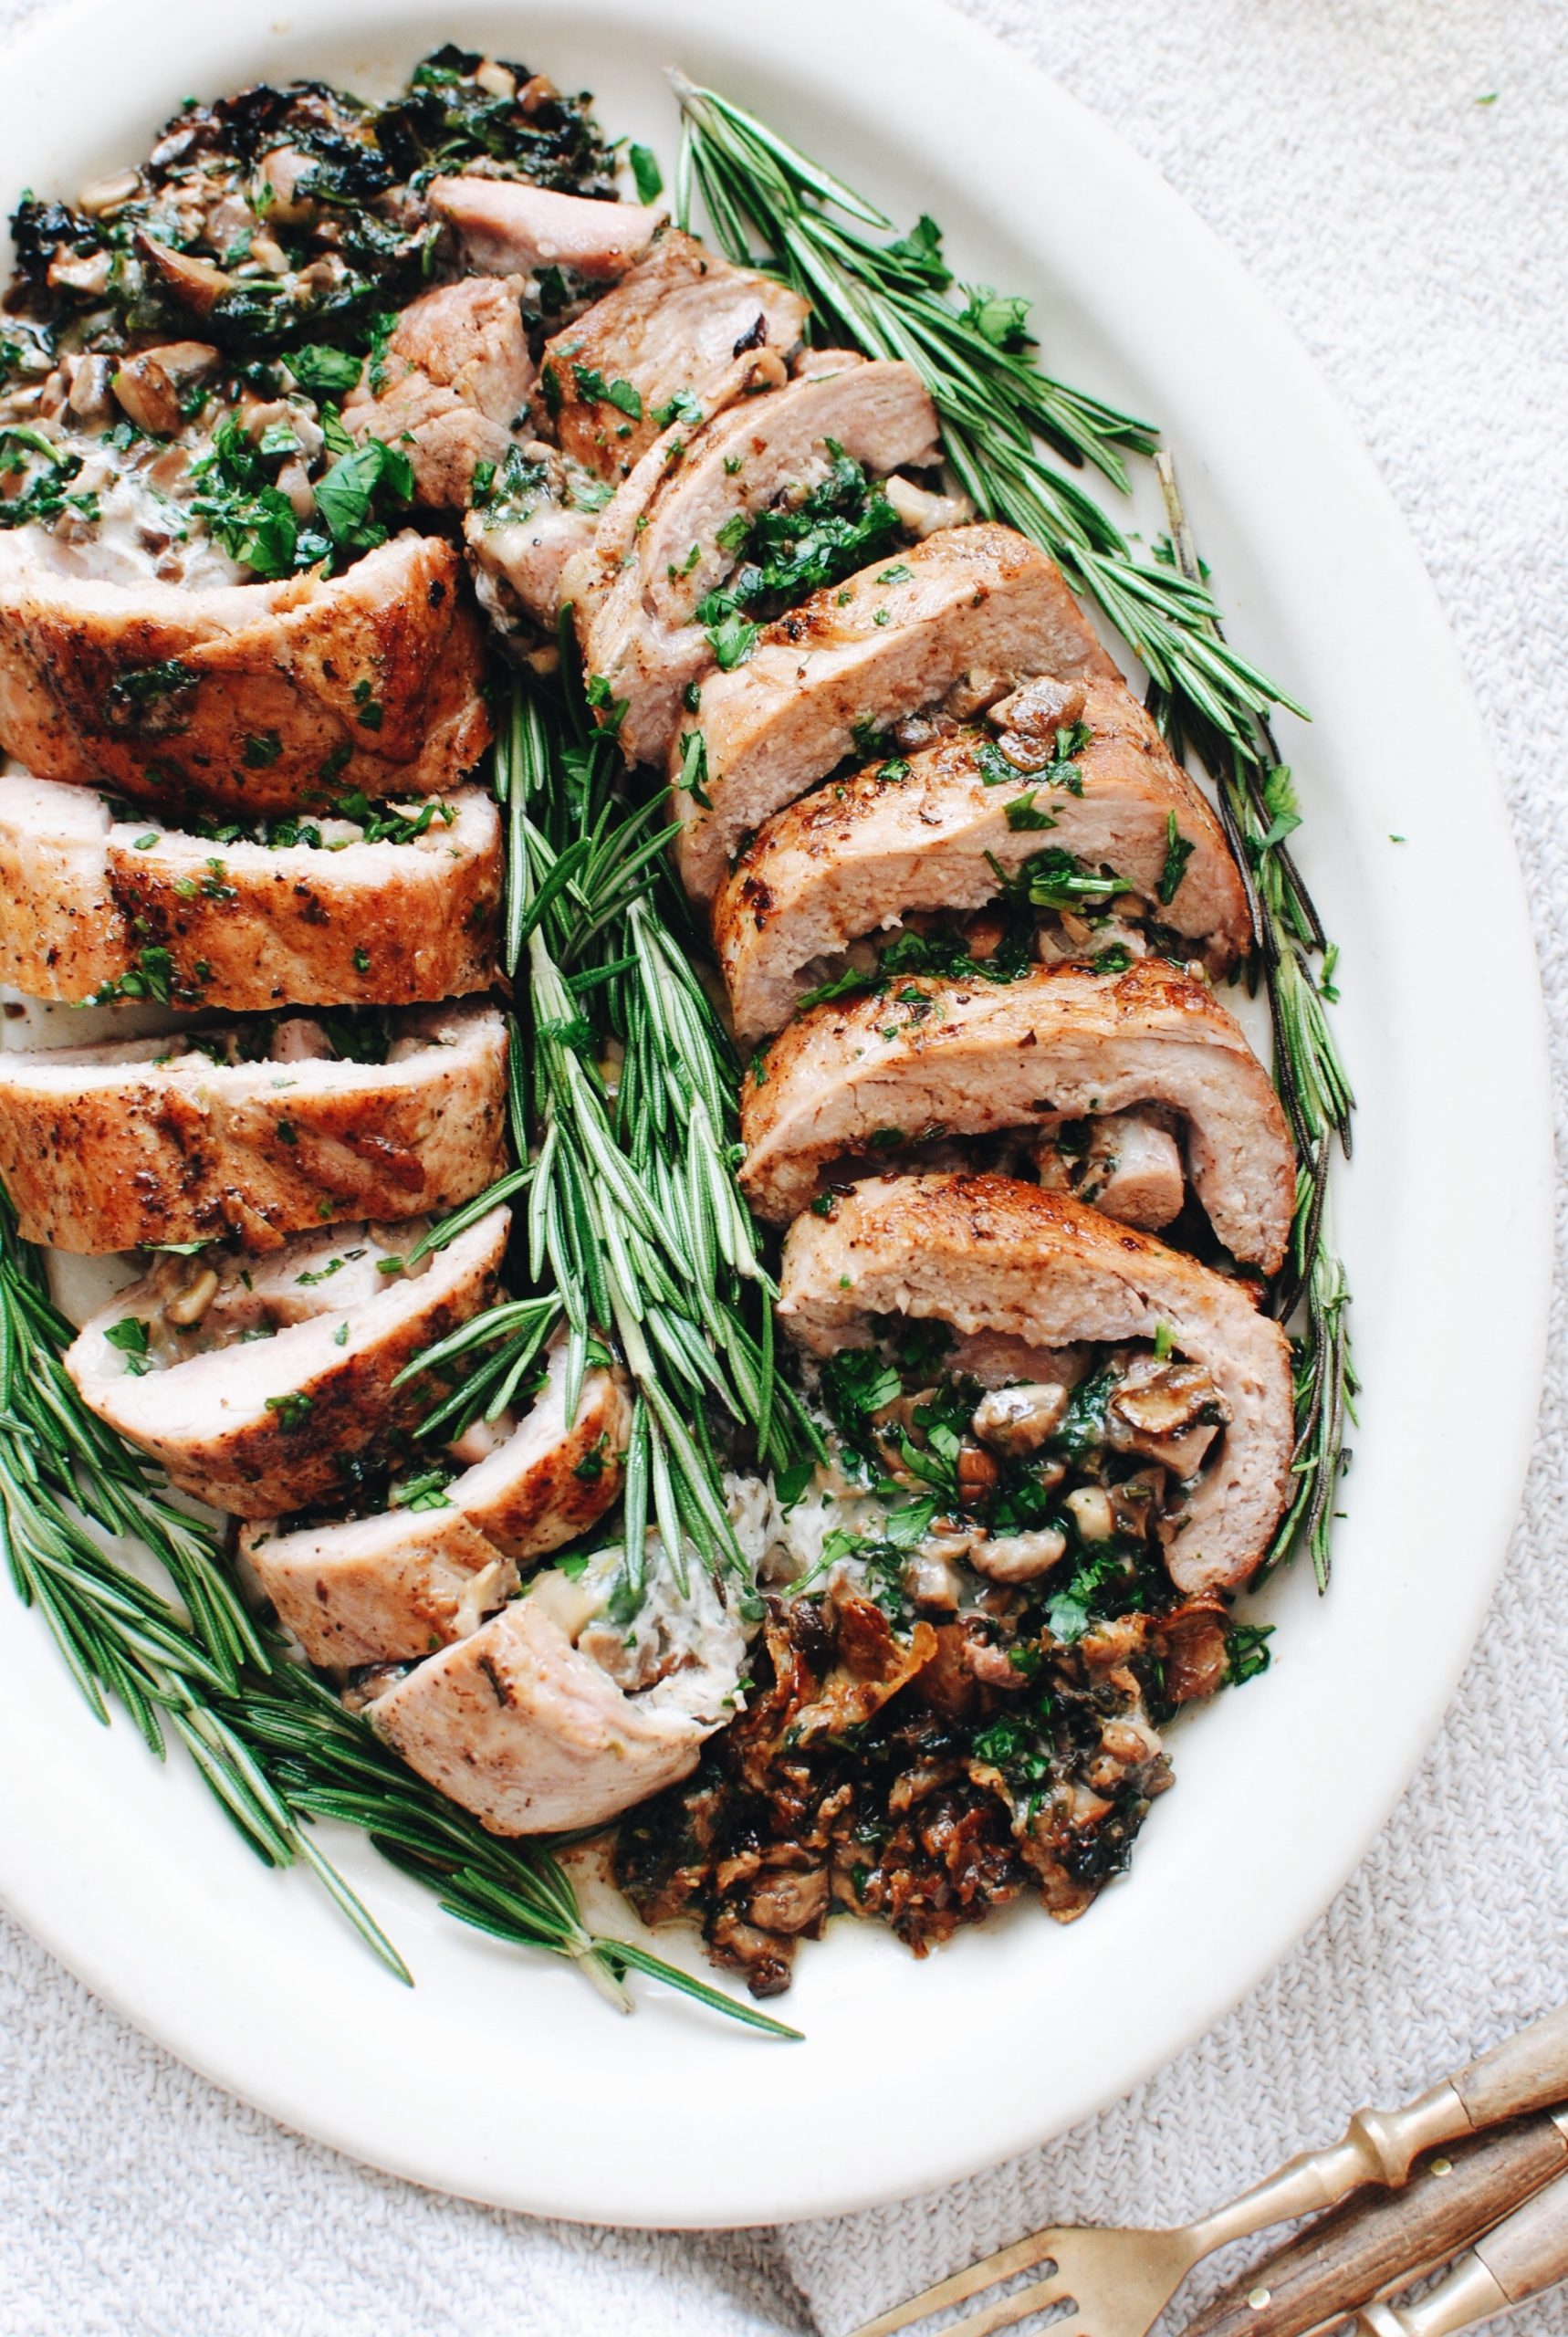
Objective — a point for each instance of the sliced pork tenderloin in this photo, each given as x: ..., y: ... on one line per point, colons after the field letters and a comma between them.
x: 963, y: 616
x: 245, y: 924
x: 507, y: 228
x: 452, y: 386
x: 389, y: 1587
x: 853, y: 1077
x: 181, y: 1138
x: 637, y: 614
x: 677, y: 322
x: 255, y: 698
x: 268, y: 1386
x: 549, y: 1717
x: 929, y: 834
x: 988, y: 1254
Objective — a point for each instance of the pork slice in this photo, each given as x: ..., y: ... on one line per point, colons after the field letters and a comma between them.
x: 262, y: 1426
x: 246, y: 926
x: 518, y: 1725
x: 930, y: 834
x: 964, y: 1058
x: 988, y: 1254
x: 971, y: 608
x: 387, y: 1589
x: 451, y: 387
x: 381, y: 1590
x: 550, y: 1481
x: 255, y: 698
x: 511, y: 228
x: 636, y: 617
x: 677, y: 321
x: 105, y: 1148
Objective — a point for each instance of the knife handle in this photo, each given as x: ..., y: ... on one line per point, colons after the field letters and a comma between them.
x: 1379, y: 2242
x: 1522, y: 2256
x: 1529, y: 2251
x: 1528, y: 2071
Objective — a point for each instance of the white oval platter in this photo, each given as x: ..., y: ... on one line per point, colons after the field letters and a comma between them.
x: 502, y: 2077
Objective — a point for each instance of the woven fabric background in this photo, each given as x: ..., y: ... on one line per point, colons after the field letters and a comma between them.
x: 1395, y: 174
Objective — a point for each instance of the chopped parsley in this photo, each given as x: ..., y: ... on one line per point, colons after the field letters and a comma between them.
x: 1178, y: 852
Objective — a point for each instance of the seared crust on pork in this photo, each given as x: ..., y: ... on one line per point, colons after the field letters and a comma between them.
x: 960, y: 1058
x: 976, y: 608
x: 288, y: 1421
x: 678, y: 319
x: 990, y: 1255
x: 256, y: 698
x: 150, y: 1140
x: 929, y: 834
x: 387, y: 1589
x: 246, y: 926
x: 518, y: 1725
x: 635, y: 599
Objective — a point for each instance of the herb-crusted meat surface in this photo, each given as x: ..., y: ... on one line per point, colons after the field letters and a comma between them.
x: 393, y: 907
x: 677, y: 321
x: 642, y: 599
x: 393, y: 1586
x: 936, y: 1059
x: 368, y: 680
x: 938, y: 834
x: 269, y: 1386
x: 451, y: 385
x: 152, y: 1140
x: 971, y: 610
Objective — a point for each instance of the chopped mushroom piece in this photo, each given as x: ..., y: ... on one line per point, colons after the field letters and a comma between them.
x: 153, y: 385
x: 1129, y: 1168
x: 1021, y: 1418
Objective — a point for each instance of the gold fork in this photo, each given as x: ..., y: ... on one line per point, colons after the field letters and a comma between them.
x: 1119, y: 2283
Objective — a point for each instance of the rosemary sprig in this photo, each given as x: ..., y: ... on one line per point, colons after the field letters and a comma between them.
x: 889, y: 295
x: 274, y: 1747
x: 1258, y: 805
x: 624, y: 1104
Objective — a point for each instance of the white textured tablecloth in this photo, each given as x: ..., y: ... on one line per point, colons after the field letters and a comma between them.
x: 1417, y: 239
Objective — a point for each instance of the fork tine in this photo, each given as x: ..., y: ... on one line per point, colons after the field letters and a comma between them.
x: 1007, y: 2311
x: 1021, y: 2257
